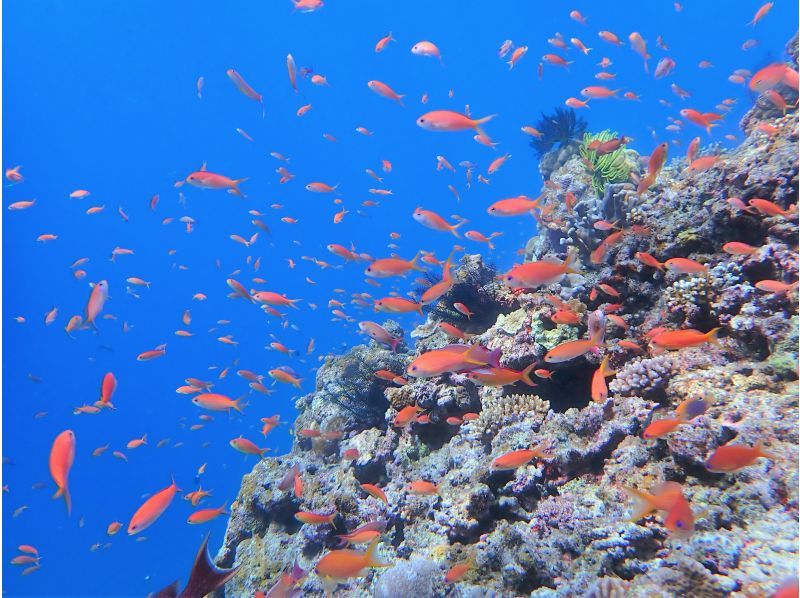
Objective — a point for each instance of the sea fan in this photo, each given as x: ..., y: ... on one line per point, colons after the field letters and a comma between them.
x: 558, y: 128
x: 613, y: 167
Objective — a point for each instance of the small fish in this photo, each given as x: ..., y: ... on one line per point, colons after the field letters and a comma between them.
x: 732, y: 457
x: 519, y: 458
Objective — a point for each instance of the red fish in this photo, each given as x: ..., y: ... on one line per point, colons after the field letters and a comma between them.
x: 62, y: 455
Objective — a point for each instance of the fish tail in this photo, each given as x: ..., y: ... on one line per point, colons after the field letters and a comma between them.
x: 481, y: 121
x: 373, y: 560
x: 239, y: 406
x: 526, y: 375
x: 144, y: 439
x: 605, y: 369
x: 235, y: 187
x: 261, y: 453
x: 296, y: 383
x: 712, y: 335
x: 568, y: 263
x: 644, y: 504
x: 64, y: 491
x: 414, y: 265
x: 453, y: 229
x: 766, y: 454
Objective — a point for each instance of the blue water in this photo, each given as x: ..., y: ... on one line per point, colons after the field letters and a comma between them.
x: 101, y: 96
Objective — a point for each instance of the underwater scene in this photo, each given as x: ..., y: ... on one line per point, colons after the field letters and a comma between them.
x: 392, y: 299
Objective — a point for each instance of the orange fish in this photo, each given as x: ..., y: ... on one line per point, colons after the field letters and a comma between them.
x: 457, y: 572
x: 218, y: 402
x: 649, y: 260
x: 434, y: 221
x: 520, y: 458
x: 338, y: 566
x: 423, y: 488
x: 682, y: 265
x: 248, y: 447
x: 571, y: 349
x: 242, y: 86
x: 280, y: 375
x: 397, y: 305
x: 107, y: 388
x: 440, y: 361
x: 535, y: 274
x: 384, y: 268
x: 206, y: 515
x: 449, y: 121
x: 407, y: 415
x: 736, y: 456
x: 426, y: 48
x: 204, y: 179
x: 62, y: 455
x: 674, y: 340
x: 599, y: 388
x: 662, y: 427
x: 597, y: 92
x: 312, y: 518
x: 152, y: 509
x: 704, y: 120
x: 381, y: 45
x: 761, y: 13
x: 375, y: 492
x: 769, y: 208
x: 737, y: 248
x: 775, y: 286
x: 704, y: 163
x: 514, y: 206
x: 97, y: 299
x: 669, y: 498
x: 137, y: 442
x: 384, y: 90
x: 501, y: 376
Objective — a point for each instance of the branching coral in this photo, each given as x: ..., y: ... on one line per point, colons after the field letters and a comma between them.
x: 500, y: 412
x: 558, y: 128
x: 612, y: 167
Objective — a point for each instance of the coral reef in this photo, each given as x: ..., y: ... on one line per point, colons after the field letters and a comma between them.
x: 559, y: 524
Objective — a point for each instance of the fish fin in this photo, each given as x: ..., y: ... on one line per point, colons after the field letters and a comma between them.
x: 481, y: 121
x: 414, y: 265
x: 372, y: 558
x: 235, y: 187
x: 171, y: 591
x: 455, y: 226
x: 526, y: 375
x: 765, y: 454
x: 604, y: 367
x: 568, y: 263
x: 713, y: 335
x: 64, y: 491
x: 644, y: 504
x: 468, y: 356
x: 239, y: 406
x: 206, y: 576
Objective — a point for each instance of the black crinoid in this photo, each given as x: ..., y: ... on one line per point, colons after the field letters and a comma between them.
x: 558, y: 129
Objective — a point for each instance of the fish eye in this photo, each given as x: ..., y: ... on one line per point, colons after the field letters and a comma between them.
x: 422, y: 120
x: 679, y: 523
x: 413, y: 368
